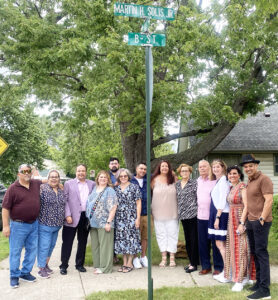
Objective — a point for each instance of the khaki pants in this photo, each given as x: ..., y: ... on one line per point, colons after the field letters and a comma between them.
x: 102, y: 249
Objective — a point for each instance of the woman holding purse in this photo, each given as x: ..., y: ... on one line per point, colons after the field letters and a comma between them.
x: 101, y: 208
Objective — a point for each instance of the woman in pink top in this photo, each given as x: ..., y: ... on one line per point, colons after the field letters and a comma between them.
x: 165, y: 211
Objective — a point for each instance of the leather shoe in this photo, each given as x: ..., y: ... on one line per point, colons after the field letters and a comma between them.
x: 189, y: 270
x: 81, y: 269
x: 216, y: 272
x: 186, y: 267
x: 205, y: 271
x: 63, y: 271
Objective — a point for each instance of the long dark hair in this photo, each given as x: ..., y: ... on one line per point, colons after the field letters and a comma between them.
x: 170, y: 175
x: 235, y: 167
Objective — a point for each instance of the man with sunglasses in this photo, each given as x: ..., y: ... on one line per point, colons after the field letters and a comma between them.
x: 20, y: 210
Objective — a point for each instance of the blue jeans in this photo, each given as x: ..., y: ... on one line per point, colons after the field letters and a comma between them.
x: 23, y: 235
x: 47, y: 241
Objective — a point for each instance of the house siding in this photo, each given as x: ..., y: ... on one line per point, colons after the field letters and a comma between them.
x: 267, y: 167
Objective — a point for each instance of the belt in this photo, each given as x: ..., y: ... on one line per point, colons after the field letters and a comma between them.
x: 20, y: 221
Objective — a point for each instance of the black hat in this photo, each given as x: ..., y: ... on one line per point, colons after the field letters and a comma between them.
x: 249, y: 158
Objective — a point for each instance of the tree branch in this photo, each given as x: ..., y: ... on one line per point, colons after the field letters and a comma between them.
x: 171, y: 137
x: 39, y: 14
x: 199, y: 150
x: 81, y: 87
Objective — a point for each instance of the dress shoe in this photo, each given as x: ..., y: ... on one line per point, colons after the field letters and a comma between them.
x: 190, y: 270
x: 205, y: 271
x: 216, y: 272
x: 186, y: 267
x: 81, y: 269
x: 63, y: 271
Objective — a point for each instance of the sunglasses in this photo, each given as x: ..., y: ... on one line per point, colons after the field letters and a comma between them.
x: 25, y: 172
x: 123, y: 176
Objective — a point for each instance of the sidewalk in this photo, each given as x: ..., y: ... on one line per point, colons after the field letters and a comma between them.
x: 77, y: 285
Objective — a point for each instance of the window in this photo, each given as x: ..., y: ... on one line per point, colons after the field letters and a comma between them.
x: 276, y: 164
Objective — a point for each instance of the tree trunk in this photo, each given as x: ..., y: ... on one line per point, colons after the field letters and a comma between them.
x: 134, y: 146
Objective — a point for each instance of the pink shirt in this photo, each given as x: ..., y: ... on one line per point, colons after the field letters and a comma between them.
x: 84, y: 193
x: 204, y: 188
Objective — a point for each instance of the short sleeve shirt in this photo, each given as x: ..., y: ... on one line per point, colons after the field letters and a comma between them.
x: 23, y: 203
x: 258, y: 186
x: 52, y: 212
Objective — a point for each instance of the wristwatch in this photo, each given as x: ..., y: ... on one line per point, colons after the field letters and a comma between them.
x: 108, y: 222
x: 241, y: 223
x: 261, y: 219
x: 217, y: 217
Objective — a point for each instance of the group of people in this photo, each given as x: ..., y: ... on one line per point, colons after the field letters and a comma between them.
x: 216, y: 211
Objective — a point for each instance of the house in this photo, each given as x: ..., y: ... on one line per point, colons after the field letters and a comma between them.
x: 257, y: 135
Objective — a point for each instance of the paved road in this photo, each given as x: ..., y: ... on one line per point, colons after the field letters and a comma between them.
x: 77, y: 285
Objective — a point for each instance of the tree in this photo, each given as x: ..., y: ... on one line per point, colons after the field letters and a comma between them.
x: 75, y: 49
x: 19, y: 126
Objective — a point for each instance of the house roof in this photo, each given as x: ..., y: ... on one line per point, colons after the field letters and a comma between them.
x: 255, y: 133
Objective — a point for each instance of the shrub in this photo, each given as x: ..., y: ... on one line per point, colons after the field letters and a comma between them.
x: 275, y: 216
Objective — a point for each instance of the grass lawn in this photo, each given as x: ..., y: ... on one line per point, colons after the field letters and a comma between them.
x: 179, y: 293
x: 4, y: 247
x: 156, y: 256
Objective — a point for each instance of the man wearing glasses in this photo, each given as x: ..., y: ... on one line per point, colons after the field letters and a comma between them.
x: 20, y: 210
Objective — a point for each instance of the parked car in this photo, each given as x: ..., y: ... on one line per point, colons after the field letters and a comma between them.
x: 2, y: 193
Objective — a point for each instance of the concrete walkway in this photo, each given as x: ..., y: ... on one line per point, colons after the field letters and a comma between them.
x: 77, y: 285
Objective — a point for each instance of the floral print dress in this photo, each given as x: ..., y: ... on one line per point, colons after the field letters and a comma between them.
x: 127, y: 237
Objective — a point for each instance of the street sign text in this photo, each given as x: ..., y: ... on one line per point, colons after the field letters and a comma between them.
x: 138, y: 39
x: 144, y: 11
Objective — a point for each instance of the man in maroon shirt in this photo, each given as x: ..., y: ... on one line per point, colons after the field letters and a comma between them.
x: 20, y: 209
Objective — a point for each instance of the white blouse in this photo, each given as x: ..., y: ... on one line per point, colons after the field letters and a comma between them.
x: 219, y: 194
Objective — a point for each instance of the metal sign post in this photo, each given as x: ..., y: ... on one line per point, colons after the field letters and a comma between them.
x: 148, y: 41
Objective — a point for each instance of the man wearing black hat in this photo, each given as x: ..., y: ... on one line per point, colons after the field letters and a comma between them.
x: 259, y: 207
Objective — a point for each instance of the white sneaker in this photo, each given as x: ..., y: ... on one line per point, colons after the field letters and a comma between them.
x: 144, y: 261
x: 222, y: 279
x: 245, y: 281
x: 218, y: 275
x: 136, y: 263
x: 238, y: 286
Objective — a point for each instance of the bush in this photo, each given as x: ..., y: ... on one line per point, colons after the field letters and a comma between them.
x: 275, y: 217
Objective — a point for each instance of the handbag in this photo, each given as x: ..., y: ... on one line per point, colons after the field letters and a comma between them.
x: 94, y: 208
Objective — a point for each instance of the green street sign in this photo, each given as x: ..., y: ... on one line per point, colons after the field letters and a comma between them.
x: 139, y: 39
x: 144, y: 11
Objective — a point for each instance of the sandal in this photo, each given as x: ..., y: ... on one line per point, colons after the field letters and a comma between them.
x: 163, y: 262
x: 172, y: 261
x: 122, y: 268
x: 97, y: 271
x: 127, y: 269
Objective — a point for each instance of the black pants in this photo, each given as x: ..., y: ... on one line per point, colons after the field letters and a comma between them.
x: 68, y: 236
x: 191, y: 240
x: 258, y: 240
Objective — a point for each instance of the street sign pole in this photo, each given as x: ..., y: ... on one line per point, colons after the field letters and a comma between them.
x: 147, y: 40
x: 149, y: 89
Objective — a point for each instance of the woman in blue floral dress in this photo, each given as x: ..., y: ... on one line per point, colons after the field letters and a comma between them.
x: 127, y: 237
